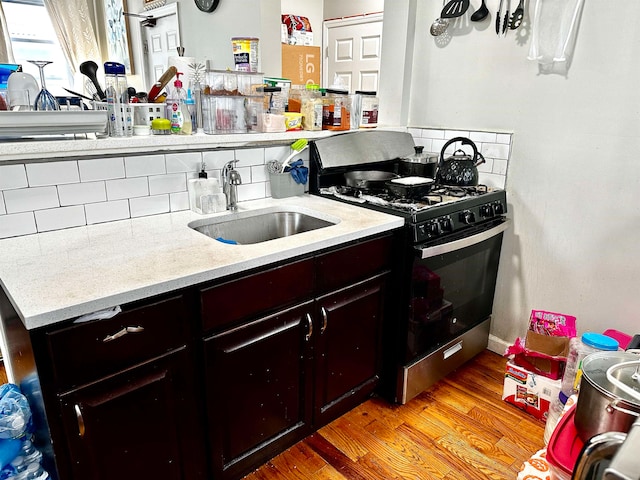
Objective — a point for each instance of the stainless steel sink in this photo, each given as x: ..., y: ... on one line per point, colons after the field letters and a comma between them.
x: 259, y: 227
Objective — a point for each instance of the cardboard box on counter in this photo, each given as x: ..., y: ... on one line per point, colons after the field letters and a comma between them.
x: 301, y: 64
x: 528, y: 391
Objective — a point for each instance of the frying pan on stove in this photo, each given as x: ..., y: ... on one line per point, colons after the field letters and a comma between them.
x: 368, y: 179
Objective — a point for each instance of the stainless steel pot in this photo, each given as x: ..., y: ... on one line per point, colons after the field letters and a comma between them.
x: 602, y: 405
x: 418, y: 164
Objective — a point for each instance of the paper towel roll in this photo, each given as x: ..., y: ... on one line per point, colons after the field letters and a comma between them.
x: 182, y: 64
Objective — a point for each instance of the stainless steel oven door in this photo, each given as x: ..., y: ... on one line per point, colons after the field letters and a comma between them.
x: 452, y: 287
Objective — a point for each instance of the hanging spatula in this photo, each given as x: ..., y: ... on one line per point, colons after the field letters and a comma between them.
x: 455, y: 8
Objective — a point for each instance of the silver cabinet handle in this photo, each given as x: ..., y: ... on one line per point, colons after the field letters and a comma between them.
x: 122, y: 333
x: 307, y: 337
x: 76, y: 407
x: 325, y: 319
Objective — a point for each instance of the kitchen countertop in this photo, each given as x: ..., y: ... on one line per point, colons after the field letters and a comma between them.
x: 54, y: 276
x: 67, y: 146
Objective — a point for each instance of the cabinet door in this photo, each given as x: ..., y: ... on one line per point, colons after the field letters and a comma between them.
x: 140, y: 423
x: 258, y: 389
x: 347, y: 347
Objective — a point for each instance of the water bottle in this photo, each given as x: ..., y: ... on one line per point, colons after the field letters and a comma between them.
x: 120, y: 121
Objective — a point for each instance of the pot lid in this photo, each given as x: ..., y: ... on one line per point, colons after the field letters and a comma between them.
x: 420, y: 157
x: 595, y: 366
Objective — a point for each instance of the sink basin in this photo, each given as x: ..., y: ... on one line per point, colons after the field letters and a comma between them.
x: 260, y: 227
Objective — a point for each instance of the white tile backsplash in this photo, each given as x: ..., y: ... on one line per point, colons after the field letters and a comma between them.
x: 2, y: 209
x: 215, y: 160
x: 58, y: 218
x: 144, y: 206
x: 13, y: 176
x: 184, y: 162
x: 144, y: 165
x: 30, y: 199
x: 54, y: 173
x: 251, y: 191
x: 174, y: 183
x: 101, y: 169
x: 250, y: 156
x: 179, y: 201
x: 480, y: 137
x: 81, y: 193
x: 17, y: 224
x: 500, y: 167
x: 127, y: 188
x: 107, y: 211
x: 496, y: 150
x: 258, y: 173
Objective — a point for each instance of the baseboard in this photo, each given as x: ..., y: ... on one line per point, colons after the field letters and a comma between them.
x: 497, y: 345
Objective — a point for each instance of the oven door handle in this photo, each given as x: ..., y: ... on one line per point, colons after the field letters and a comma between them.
x: 428, y: 252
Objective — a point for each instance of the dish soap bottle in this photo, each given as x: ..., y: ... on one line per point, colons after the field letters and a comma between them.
x: 178, y: 110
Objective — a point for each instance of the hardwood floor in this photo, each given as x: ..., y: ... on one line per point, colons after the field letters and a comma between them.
x: 458, y: 429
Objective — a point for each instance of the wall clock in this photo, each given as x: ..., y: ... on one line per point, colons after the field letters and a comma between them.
x: 207, y: 5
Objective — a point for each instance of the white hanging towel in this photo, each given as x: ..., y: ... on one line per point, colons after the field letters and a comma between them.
x: 554, y: 31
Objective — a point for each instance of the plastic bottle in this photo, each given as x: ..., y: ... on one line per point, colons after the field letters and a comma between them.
x: 120, y: 119
x: 177, y: 109
x: 580, y: 347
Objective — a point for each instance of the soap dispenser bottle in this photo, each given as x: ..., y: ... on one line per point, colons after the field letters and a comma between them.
x: 178, y: 111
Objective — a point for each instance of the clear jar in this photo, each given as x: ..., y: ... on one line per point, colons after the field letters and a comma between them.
x: 311, y: 110
x: 336, y: 110
x: 368, y: 109
x: 580, y: 347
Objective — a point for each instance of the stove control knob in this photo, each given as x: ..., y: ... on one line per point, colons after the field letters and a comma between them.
x: 446, y: 224
x: 498, y: 208
x: 434, y: 229
x: 487, y: 211
x: 467, y: 217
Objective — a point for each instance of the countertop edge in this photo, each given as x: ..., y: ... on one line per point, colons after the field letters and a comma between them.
x: 122, y: 293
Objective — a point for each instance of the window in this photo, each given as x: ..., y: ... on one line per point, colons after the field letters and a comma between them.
x: 33, y: 38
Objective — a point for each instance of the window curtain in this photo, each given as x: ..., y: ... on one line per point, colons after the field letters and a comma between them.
x: 6, y: 52
x: 74, y: 24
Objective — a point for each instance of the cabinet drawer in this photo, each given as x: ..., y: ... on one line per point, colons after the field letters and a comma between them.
x: 259, y: 293
x: 87, y: 351
x: 351, y: 264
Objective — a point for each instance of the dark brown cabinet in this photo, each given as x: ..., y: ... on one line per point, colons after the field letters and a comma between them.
x: 347, y: 348
x: 214, y: 380
x: 272, y: 379
x: 259, y: 382
x: 121, y: 394
x: 134, y: 424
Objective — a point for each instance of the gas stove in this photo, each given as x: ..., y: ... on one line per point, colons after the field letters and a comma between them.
x: 444, y: 211
x: 446, y: 256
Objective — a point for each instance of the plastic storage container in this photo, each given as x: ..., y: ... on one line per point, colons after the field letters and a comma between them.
x: 580, y: 347
x: 311, y: 109
x: 336, y: 110
x: 367, y: 109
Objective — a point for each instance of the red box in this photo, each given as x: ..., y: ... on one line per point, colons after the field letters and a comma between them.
x: 528, y: 391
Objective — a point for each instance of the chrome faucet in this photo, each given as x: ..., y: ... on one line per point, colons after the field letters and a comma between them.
x: 230, y: 181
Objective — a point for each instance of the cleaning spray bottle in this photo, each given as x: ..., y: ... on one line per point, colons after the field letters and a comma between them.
x: 178, y: 110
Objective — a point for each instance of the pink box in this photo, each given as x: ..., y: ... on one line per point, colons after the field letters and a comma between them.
x: 528, y: 391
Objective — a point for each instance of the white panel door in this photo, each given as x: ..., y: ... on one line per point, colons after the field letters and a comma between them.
x: 352, y: 52
x: 159, y: 42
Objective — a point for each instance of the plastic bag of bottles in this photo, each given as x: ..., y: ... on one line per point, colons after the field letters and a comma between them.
x: 15, y: 413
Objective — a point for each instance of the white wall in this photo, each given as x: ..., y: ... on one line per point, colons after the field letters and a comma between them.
x: 573, y: 182
x: 340, y: 8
